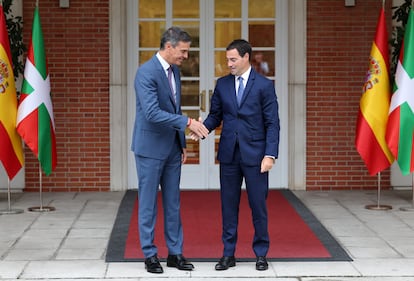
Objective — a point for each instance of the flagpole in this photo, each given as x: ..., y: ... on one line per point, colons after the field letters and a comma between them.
x: 41, y: 208
x: 412, y: 190
x: 9, y: 210
x: 378, y: 206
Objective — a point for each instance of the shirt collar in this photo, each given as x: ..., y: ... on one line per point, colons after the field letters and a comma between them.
x: 245, y: 75
x: 163, y: 62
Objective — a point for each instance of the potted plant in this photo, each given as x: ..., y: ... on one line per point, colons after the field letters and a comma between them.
x: 15, y: 30
x: 400, y: 16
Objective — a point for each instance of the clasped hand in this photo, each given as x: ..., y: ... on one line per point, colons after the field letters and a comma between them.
x: 198, y: 130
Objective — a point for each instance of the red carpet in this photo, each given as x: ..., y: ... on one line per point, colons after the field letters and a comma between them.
x: 291, y: 237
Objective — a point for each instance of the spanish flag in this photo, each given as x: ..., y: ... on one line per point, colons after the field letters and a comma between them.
x: 374, y: 105
x: 11, y: 151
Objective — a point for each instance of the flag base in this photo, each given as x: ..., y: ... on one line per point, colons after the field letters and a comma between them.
x: 41, y: 209
x: 378, y: 207
x: 408, y: 209
x: 11, y: 211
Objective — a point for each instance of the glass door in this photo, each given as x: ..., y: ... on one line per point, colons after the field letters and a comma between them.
x: 253, y: 20
x: 212, y: 25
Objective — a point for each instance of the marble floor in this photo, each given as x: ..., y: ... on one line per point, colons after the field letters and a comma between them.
x: 69, y: 243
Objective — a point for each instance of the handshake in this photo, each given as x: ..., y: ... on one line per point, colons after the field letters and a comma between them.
x: 198, y: 130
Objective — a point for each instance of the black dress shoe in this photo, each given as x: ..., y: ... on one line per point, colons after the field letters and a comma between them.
x: 179, y: 262
x: 261, y: 263
x: 226, y: 262
x: 152, y: 265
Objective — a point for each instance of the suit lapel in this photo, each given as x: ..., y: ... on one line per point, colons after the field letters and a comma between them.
x: 166, y: 85
x: 248, y: 87
x: 232, y: 86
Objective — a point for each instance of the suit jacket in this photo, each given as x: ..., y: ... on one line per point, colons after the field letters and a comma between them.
x: 254, y: 125
x: 159, y: 120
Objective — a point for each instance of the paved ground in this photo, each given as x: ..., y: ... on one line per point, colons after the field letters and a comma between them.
x: 69, y: 243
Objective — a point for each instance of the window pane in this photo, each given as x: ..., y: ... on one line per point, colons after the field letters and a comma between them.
x: 193, y: 152
x: 150, y: 34
x: 262, y: 34
x: 261, y: 8
x: 264, y: 62
x: 191, y: 67
x: 221, y: 68
x: 190, y: 93
x: 186, y: 9
x: 193, y: 147
x: 143, y: 56
x: 192, y: 28
x: 227, y: 9
x: 151, y: 9
x: 225, y: 32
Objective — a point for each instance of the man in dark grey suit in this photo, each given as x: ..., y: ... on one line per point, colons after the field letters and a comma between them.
x: 159, y: 146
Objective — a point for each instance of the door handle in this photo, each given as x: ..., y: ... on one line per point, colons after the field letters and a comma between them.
x: 203, y: 101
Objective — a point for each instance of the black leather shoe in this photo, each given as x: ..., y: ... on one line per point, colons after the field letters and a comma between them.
x: 226, y: 262
x: 261, y: 263
x: 179, y: 262
x: 152, y: 265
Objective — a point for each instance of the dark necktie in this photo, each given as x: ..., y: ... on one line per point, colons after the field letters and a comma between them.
x: 170, y: 82
x: 240, y: 90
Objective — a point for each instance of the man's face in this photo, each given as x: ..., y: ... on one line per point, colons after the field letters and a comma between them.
x: 237, y: 64
x: 177, y: 54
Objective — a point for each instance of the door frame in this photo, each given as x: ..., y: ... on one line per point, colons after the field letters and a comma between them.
x: 123, y: 174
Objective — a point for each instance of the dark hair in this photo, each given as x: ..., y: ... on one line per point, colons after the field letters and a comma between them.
x: 242, y: 47
x: 174, y: 35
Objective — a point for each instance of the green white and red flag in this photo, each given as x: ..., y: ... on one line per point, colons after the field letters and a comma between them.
x: 11, y: 150
x: 35, y: 121
x: 374, y: 104
x: 400, y: 128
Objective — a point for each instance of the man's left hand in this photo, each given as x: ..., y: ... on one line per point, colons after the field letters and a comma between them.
x: 184, y: 156
x: 267, y: 164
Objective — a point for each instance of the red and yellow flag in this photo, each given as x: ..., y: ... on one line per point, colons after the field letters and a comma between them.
x: 374, y: 104
x: 11, y: 151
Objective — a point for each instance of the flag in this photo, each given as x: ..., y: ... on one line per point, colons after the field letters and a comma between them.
x: 400, y: 125
x: 35, y: 121
x: 374, y: 104
x: 11, y: 151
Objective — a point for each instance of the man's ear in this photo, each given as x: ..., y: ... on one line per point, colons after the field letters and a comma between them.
x: 168, y: 45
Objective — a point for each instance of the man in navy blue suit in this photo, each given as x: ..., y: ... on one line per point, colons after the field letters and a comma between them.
x: 158, y: 143
x: 245, y: 103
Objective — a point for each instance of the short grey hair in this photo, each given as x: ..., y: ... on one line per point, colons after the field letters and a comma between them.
x: 174, y: 35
